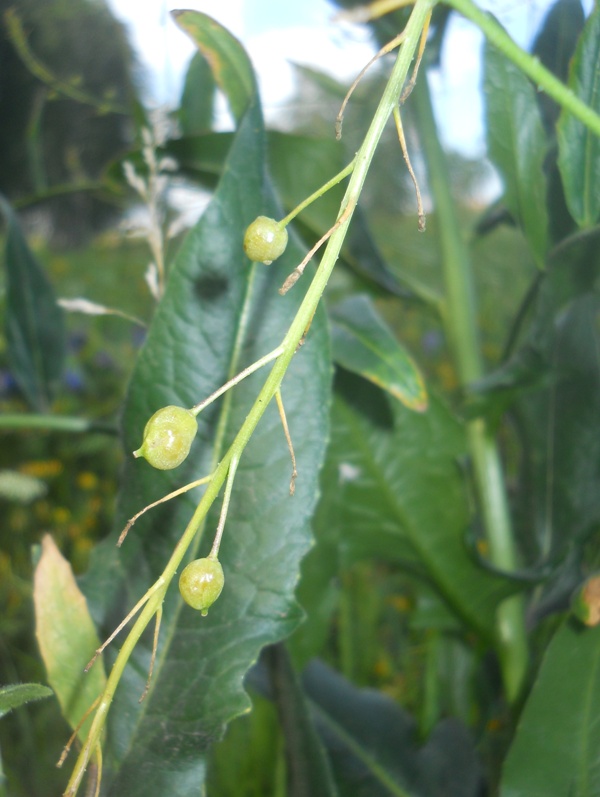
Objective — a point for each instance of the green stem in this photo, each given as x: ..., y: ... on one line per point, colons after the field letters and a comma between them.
x: 461, y: 324
x: 318, y: 193
x: 197, y: 409
x: 214, y: 551
x: 528, y: 64
x: 54, y: 423
x: 272, y: 384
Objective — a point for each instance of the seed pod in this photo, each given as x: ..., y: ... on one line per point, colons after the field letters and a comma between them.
x: 168, y: 437
x: 265, y: 240
x: 201, y: 582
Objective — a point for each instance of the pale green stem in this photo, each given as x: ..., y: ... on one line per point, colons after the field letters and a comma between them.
x: 530, y: 65
x: 461, y: 324
x: 214, y: 552
x: 54, y: 423
x: 318, y: 193
x: 268, y: 358
x: 272, y: 384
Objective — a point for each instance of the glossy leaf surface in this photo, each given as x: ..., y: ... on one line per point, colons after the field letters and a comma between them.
x: 517, y: 146
x: 579, y: 148
x: 198, y: 98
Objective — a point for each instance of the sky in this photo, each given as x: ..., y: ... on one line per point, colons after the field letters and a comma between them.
x: 278, y: 32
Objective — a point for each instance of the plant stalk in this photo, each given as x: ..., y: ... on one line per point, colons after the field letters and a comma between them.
x: 55, y: 423
x: 461, y: 325
x: 528, y: 64
x: 290, y: 344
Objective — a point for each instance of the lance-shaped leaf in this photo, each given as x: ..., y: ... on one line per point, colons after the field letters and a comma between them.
x: 198, y: 97
x: 517, y: 146
x: 218, y: 315
x: 362, y: 343
x: 66, y: 635
x: 555, y: 750
x: 17, y: 695
x: 229, y: 62
x: 579, y: 148
x: 400, y: 495
x: 34, y: 322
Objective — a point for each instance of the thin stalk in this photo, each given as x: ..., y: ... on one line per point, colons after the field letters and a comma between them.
x: 197, y: 408
x: 318, y: 193
x: 272, y: 384
x: 461, y: 324
x: 214, y: 551
x: 528, y: 64
x: 55, y: 423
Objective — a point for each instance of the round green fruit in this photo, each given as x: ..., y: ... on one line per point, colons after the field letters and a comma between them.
x: 265, y: 240
x: 201, y: 582
x: 168, y: 437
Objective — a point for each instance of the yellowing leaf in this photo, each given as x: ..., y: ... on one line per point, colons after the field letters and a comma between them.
x: 66, y: 635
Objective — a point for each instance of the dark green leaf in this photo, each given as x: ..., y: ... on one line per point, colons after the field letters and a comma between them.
x: 308, y: 772
x: 17, y: 695
x: 554, y: 46
x: 201, y: 157
x: 556, y: 750
x: 363, y: 344
x: 228, y: 60
x: 34, y: 322
x: 517, y: 146
x: 579, y: 148
x: 555, y: 385
x: 213, y: 298
x: 198, y: 97
x: 373, y: 748
x: 399, y: 494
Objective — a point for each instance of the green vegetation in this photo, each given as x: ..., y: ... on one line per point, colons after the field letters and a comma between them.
x: 386, y: 442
